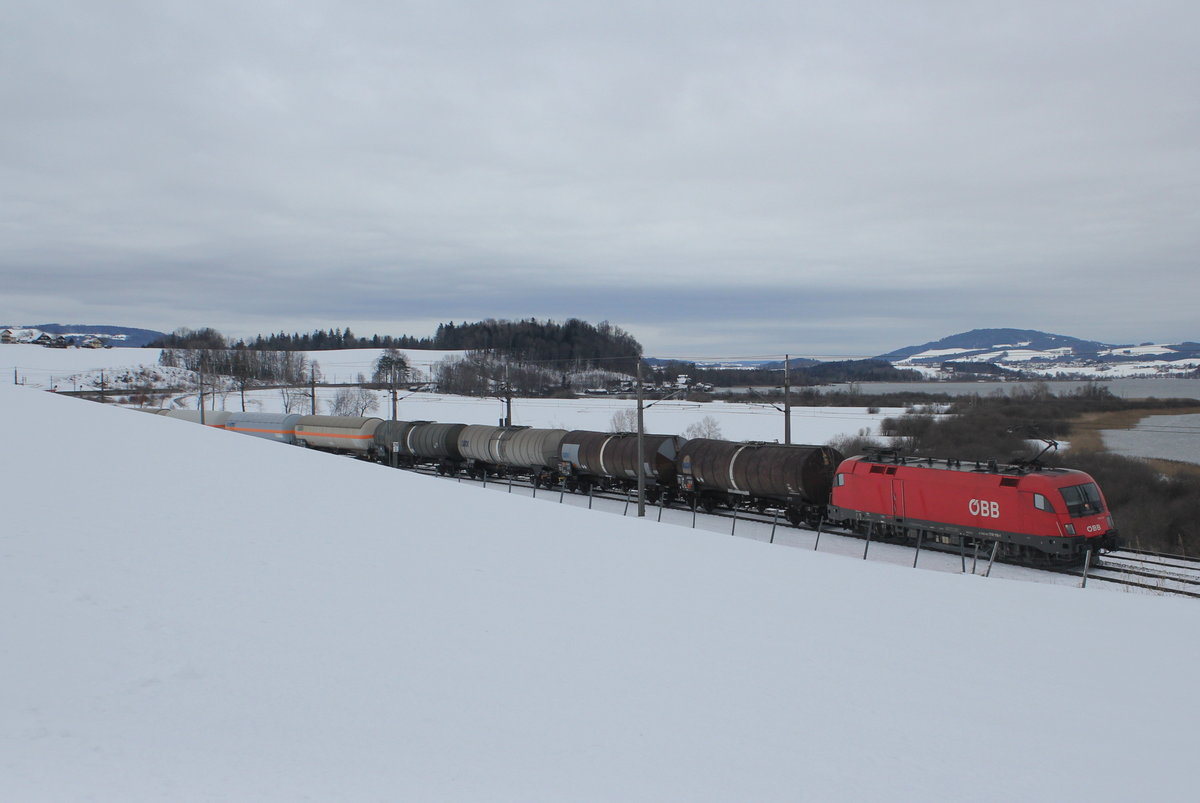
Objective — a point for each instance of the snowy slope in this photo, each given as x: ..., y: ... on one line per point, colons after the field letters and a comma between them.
x: 259, y: 622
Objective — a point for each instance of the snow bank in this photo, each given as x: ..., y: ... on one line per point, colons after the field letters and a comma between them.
x: 251, y: 621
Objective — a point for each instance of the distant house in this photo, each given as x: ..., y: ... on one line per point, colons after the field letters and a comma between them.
x: 43, y: 340
x: 92, y: 343
x: 7, y: 336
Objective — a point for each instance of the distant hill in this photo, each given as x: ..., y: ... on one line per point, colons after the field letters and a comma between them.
x: 985, y: 340
x: 1044, y: 354
x: 116, y: 335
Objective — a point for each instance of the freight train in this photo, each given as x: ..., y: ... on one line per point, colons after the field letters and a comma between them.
x: 1031, y: 513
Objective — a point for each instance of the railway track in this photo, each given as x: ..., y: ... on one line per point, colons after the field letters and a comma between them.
x: 1168, y: 574
x: 1154, y: 572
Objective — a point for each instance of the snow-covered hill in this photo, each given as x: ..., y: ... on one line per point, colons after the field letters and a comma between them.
x: 259, y: 622
x: 1037, y: 353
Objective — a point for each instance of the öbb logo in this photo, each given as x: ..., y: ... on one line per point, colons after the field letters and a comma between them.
x: 982, y: 507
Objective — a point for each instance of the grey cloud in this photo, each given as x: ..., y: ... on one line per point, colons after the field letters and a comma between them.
x: 853, y: 171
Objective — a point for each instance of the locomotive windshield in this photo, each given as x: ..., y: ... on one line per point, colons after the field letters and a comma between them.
x: 1083, y: 500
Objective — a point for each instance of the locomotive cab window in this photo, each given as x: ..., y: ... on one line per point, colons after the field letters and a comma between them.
x: 1082, y: 500
x: 1042, y: 503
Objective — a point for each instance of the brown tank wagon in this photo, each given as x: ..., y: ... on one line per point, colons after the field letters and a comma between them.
x: 610, y: 459
x: 796, y: 478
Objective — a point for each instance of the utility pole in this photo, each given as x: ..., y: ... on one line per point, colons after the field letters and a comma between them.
x: 200, y: 395
x: 312, y: 390
x: 507, y: 399
x: 641, y: 445
x: 787, y: 400
x: 392, y: 374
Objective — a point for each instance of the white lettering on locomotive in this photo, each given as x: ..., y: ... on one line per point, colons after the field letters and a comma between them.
x: 1094, y: 528
x: 984, y: 508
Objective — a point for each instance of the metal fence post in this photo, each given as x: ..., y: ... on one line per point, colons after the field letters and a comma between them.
x: 870, y: 529
x: 995, y: 549
x: 1087, y: 565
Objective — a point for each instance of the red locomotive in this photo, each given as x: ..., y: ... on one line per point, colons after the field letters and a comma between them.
x: 1037, y: 514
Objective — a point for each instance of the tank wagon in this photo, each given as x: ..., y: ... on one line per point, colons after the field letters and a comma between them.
x: 1036, y: 514
x: 483, y: 448
x: 610, y: 460
x: 536, y: 452
x: 390, y: 442
x: 436, y: 444
x: 796, y: 479
x: 336, y: 433
x: 212, y: 418
x: 272, y: 426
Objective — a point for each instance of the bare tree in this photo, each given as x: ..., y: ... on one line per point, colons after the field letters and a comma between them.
x: 354, y: 401
x: 707, y: 427
x: 624, y: 421
x: 295, y: 400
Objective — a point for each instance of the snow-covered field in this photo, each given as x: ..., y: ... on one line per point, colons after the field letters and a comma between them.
x: 737, y: 421
x: 38, y: 367
x: 195, y: 615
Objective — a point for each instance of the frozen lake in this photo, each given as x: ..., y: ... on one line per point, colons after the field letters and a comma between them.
x: 1169, y: 437
x: 1125, y: 388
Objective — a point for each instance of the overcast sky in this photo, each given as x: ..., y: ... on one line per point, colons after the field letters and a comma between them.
x: 718, y: 178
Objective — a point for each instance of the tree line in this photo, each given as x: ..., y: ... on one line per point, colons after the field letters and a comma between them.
x: 248, y: 367
x: 317, y: 340
x: 574, y: 343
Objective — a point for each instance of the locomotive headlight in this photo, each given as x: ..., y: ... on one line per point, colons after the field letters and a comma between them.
x: 1070, y: 529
